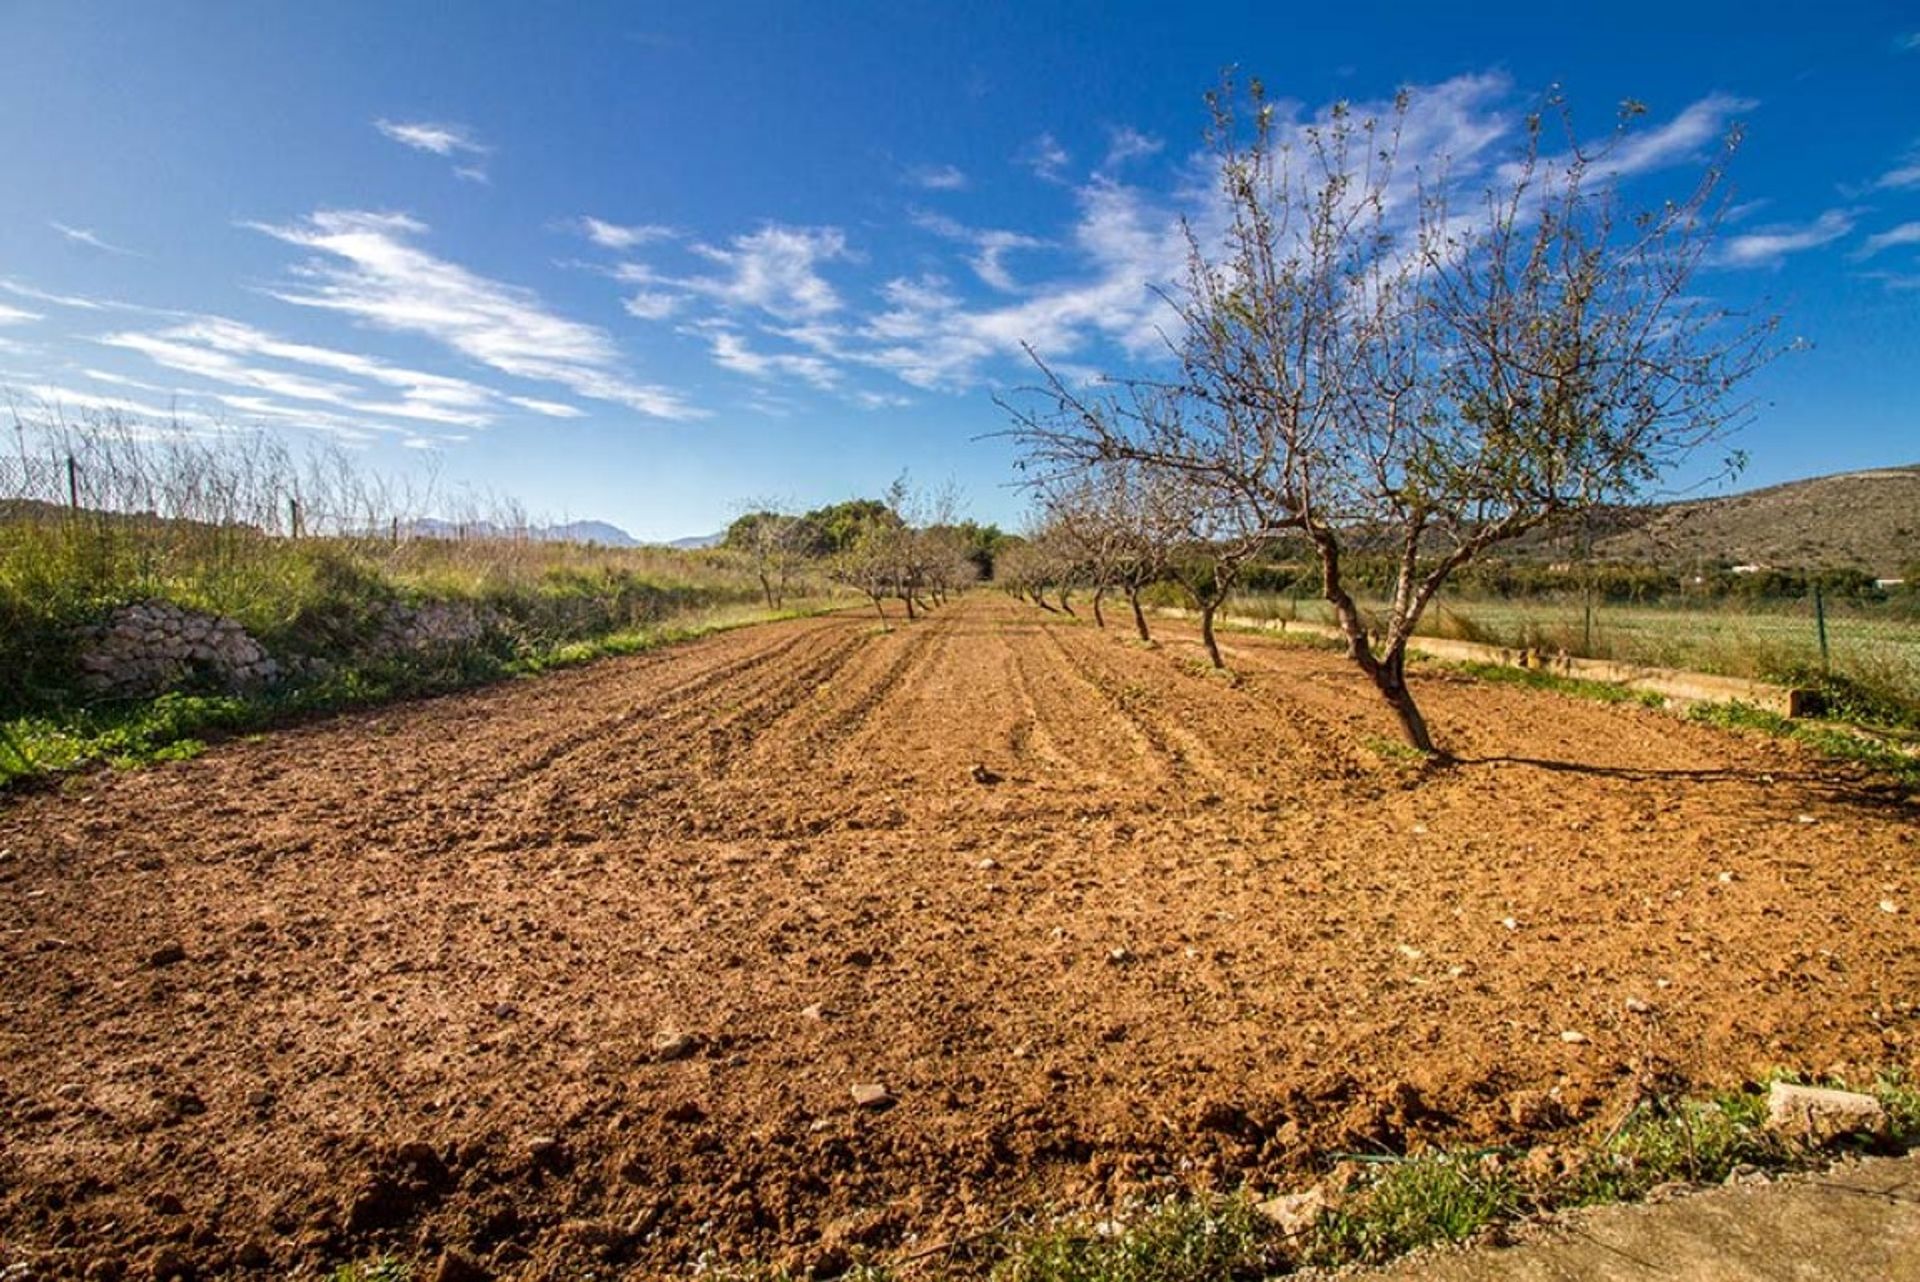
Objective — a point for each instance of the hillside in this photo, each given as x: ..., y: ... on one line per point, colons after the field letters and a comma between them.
x: 1868, y: 519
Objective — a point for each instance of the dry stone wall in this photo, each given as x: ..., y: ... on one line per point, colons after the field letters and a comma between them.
x: 154, y: 646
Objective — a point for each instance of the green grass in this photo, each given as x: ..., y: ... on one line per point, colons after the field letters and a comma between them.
x: 1418, y: 1202
x: 1537, y: 679
x: 1834, y: 742
x: 1221, y: 1239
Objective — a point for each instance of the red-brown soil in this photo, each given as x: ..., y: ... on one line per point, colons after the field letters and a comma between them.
x: 1196, y: 930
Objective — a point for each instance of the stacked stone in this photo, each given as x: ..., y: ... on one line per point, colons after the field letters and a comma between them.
x: 154, y: 646
x: 433, y: 626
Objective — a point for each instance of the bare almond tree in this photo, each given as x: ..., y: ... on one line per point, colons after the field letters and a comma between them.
x: 1371, y: 353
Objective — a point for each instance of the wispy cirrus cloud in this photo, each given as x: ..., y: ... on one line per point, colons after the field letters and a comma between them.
x: 1907, y: 233
x: 1126, y: 143
x: 1767, y: 246
x: 732, y: 351
x: 92, y: 240
x: 19, y: 290
x: 937, y: 178
x: 450, y: 142
x: 238, y: 355
x: 368, y: 266
x: 1045, y: 157
x: 1903, y: 175
x: 18, y: 315
x: 621, y: 236
x: 991, y: 246
x: 775, y: 269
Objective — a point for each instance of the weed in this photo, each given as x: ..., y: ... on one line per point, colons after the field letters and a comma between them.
x: 385, y: 1268
x: 1180, y: 1240
x: 1536, y: 679
x: 1831, y: 741
x: 1392, y: 750
x: 1411, y: 1204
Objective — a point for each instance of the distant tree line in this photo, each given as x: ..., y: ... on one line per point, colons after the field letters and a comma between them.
x: 907, y: 546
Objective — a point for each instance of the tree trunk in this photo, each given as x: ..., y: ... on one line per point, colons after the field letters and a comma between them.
x: 1139, y: 615
x: 1206, y: 633
x: 908, y: 598
x: 1390, y: 677
x: 1064, y: 603
x: 880, y: 610
x: 1099, y: 619
x: 766, y: 586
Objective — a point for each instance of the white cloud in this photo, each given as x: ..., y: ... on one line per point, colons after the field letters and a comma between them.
x: 1769, y: 245
x: 58, y: 300
x: 53, y: 397
x: 618, y: 235
x: 991, y: 247
x: 441, y: 140
x: 219, y: 350
x: 1129, y: 144
x: 1046, y: 157
x: 937, y: 178
x: 1904, y: 234
x: 775, y: 269
x: 1903, y: 175
x: 1699, y: 125
x: 730, y: 351
x: 652, y: 306
x: 450, y: 141
x: 369, y: 268
x: 82, y: 236
x: 17, y: 316
x: 551, y: 409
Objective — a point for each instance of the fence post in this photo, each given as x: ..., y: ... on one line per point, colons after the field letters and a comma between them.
x: 73, y: 484
x: 293, y: 518
x: 1820, y: 623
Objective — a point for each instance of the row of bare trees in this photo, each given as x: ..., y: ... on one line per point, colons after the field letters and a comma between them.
x: 906, y: 546
x: 1377, y: 352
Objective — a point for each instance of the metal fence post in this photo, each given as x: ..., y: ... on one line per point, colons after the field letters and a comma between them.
x: 1820, y: 623
x: 73, y: 484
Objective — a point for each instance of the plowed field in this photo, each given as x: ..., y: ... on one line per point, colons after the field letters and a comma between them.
x: 398, y: 981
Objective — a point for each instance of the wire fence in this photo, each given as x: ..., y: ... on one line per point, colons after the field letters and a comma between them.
x: 1874, y: 640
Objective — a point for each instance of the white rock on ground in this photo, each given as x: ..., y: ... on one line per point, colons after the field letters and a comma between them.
x: 1816, y: 1114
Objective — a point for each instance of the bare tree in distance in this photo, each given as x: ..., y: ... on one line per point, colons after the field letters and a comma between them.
x: 1130, y: 518
x: 1373, y: 353
x: 774, y: 543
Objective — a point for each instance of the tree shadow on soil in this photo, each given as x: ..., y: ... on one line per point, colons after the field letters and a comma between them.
x: 1871, y: 793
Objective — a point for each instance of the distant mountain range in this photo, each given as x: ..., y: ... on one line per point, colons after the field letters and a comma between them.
x: 600, y: 532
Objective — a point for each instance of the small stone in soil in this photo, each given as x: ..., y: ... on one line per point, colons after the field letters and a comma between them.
x: 1573, y: 1037
x: 871, y: 1095
x: 672, y: 1044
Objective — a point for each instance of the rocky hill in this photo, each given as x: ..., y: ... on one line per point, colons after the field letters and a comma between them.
x: 1868, y: 520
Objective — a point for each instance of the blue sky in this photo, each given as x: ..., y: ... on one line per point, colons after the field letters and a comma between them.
x: 639, y: 262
